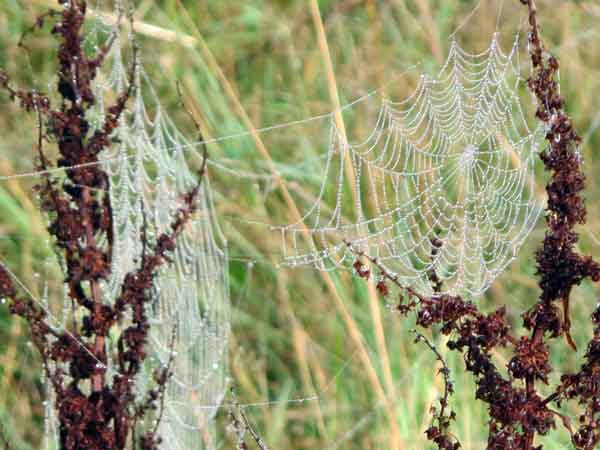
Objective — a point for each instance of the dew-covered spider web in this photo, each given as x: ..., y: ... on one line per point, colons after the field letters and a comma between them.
x: 443, y: 183
x: 149, y: 174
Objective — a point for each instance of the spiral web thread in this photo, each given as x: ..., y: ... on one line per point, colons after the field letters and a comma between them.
x: 190, y: 313
x: 444, y: 182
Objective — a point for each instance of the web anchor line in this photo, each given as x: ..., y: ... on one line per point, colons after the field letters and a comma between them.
x: 187, y: 146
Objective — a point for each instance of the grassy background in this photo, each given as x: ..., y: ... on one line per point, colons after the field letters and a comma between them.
x: 295, y: 334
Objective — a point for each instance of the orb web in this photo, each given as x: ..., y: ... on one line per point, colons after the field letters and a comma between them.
x: 149, y: 174
x: 444, y: 182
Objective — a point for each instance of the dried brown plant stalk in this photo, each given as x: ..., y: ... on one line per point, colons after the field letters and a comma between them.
x: 96, y: 405
x: 439, y: 431
x: 517, y: 410
x: 239, y: 426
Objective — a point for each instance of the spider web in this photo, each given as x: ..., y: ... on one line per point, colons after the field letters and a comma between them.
x: 190, y: 314
x: 443, y: 183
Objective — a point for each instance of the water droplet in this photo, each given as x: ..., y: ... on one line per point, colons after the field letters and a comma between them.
x: 467, y: 158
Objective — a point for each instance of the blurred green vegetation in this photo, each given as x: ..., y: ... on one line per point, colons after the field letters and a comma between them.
x: 260, y: 62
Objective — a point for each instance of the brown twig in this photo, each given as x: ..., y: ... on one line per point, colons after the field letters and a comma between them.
x: 240, y: 424
x: 364, y: 273
x: 200, y: 136
x: 440, y: 434
x: 162, y: 378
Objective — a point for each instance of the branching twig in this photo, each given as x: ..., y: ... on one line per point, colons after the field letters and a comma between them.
x: 200, y: 136
x: 240, y: 424
x: 162, y: 379
x: 365, y: 273
x: 440, y: 434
